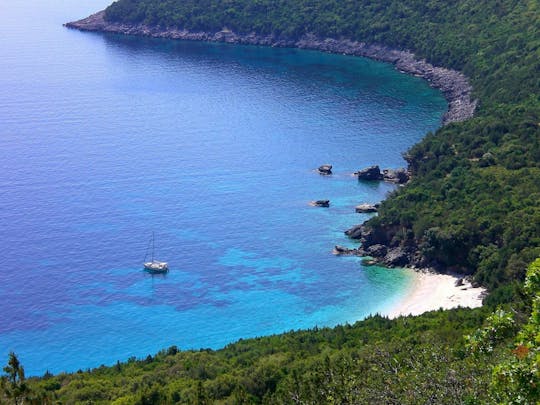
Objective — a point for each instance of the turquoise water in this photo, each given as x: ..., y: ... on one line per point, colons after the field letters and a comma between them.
x: 105, y: 139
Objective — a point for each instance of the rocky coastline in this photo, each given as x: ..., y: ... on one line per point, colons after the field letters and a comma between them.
x: 454, y: 85
x: 377, y: 246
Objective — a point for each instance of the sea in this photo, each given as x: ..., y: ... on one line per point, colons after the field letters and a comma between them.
x: 106, y: 140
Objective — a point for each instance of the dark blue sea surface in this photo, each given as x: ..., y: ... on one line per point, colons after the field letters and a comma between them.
x: 105, y: 139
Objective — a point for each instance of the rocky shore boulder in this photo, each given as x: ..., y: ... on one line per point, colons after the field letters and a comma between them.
x: 368, y: 262
x: 356, y: 232
x: 369, y: 236
x: 325, y: 169
x: 398, y: 176
x: 377, y: 250
x: 370, y: 173
x: 396, y: 257
x: 366, y: 208
x: 342, y: 250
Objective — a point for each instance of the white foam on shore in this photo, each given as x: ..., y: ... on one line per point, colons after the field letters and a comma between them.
x: 432, y: 291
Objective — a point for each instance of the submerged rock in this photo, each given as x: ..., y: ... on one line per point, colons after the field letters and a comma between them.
x: 366, y: 261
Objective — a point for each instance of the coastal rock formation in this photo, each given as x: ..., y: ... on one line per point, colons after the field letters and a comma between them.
x: 376, y: 250
x: 366, y: 208
x: 398, y: 176
x: 325, y: 169
x: 396, y: 257
x: 341, y: 250
x: 453, y: 84
x: 356, y: 232
x: 381, y: 248
x: 320, y: 203
x: 370, y: 173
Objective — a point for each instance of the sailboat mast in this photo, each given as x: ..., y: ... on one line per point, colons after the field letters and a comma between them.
x: 152, y: 247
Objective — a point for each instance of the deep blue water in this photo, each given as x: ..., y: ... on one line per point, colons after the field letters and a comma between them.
x: 105, y: 139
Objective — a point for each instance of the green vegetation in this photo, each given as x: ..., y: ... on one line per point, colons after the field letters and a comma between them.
x: 517, y: 379
x: 473, y: 206
x: 13, y: 383
x: 369, y: 362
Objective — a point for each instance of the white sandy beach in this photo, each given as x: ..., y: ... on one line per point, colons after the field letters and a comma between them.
x: 431, y: 291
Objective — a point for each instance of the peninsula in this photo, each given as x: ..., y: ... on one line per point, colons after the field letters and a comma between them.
x: 452, y: 83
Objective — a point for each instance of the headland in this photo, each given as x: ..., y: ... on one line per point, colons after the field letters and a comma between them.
x: 453, y: 84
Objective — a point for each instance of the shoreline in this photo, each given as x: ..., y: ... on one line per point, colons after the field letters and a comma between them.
x: 432, y: 291
x: 429, y: 291
x: 453, y: 84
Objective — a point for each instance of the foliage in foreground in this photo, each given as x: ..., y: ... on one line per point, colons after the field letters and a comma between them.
x: 517, y: 379
x: 369, y: 362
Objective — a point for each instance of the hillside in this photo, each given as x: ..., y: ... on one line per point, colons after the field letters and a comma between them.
x: 472, y: 206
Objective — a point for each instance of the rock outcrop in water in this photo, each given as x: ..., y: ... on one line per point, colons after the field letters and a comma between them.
x: 366, y: 208
x: 453, y: 84
x: 398, y: 176
x: 325, y: 169
x: 320, y: 203
x: 342, y: 250
x: 372, y: 173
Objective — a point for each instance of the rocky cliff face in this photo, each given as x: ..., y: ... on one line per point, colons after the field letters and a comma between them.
x: 453, y: 84
x: 379, y: 244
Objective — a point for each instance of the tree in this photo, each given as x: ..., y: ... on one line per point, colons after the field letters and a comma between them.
x: 13, y: 385
x: 517, y: 380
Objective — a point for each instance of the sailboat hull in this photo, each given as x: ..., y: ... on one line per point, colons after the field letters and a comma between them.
x: 156, y: 267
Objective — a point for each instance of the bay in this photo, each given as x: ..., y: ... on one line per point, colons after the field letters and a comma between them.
x: 105, y: 139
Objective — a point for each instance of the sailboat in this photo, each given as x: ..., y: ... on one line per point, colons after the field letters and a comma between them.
x: 155, y: 266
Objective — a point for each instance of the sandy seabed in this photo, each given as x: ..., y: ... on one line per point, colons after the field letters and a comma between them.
x: 432, y: 291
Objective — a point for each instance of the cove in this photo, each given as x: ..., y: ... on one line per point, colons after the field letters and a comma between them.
x: 108, y: 138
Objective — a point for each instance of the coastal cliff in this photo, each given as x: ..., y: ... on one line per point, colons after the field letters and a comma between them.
x: 453, y: 84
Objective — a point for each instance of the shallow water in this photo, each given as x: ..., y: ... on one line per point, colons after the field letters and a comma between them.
x: 105, y: 139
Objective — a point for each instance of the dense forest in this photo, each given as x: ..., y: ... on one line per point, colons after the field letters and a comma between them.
x: 472, y: 206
